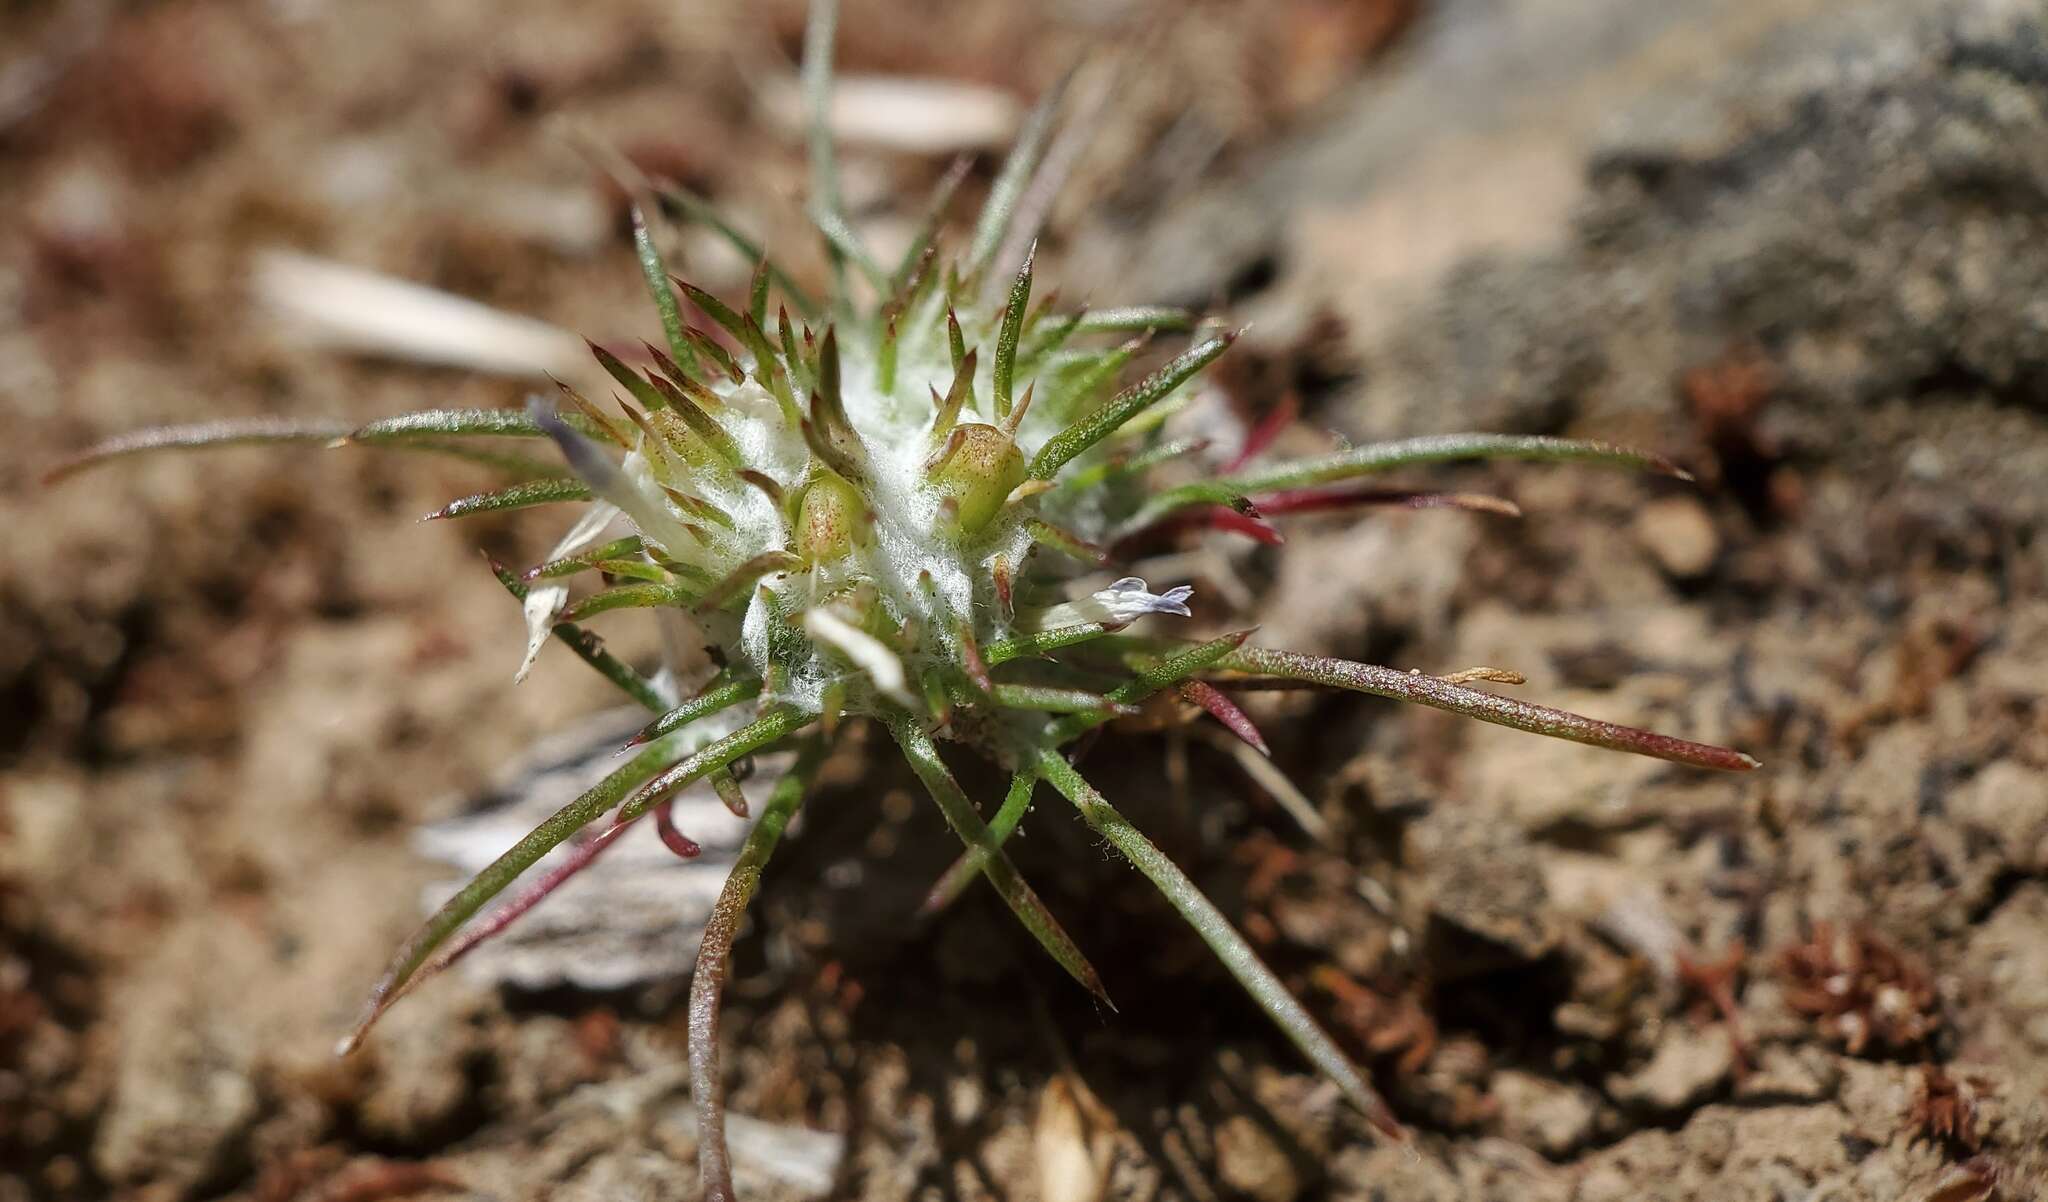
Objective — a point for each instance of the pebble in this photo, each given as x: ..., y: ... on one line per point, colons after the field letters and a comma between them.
x: 1679, y: 535
x: 1252, y: 1164
x: 1782, y: 1074
x: 1549, y: 1116
x: 1688, y: 1065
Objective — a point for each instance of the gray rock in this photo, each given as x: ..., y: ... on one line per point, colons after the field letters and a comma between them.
x: 1867, y: 206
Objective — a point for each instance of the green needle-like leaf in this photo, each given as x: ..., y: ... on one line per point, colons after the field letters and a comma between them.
x: 819, y: 33
x: 1124, y: 406
x: 717, y: 310
x: 1136, y: 318
x: 229, y: 433
x: 1388, y: 456
x: 956, y: 340
x: 801, y: 371
x: 664, y: 296
x: 1011, y: 329
x: 607, y: 428
x: 648, y: 595
x: 1010, y: 182
x: 829, y: 431
x: 771, y: 727
x: 727, y: 690
x: 640, y: 386
x: 1058, y: 701
x: 709, y: 348
x: 966, y: 823
x: 1222, y: 938
x: 1446, y: 448
x: 757, y: 294
x: 1043, y: 642
x: 517, y: 496
x: 885, y: 360
x: 411, y: 431
x: 968, y: 866
x: 770, y: 372
x: 504, y: 870
x: 957, y: 398
x: 274, y: 431
x: 503, y: 423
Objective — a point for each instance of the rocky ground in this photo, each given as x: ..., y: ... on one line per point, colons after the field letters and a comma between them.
x: 1798, y: 247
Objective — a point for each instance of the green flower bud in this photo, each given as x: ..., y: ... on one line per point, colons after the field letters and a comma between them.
x: 975, y: 473
x: 831, y: 519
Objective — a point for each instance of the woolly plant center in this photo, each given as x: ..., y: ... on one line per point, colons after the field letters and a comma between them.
x: 856, y: 550
x: 900, y: 539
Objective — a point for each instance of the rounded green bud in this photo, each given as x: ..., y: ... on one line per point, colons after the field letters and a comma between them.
x: 975, y: 473
x: 831, y: 518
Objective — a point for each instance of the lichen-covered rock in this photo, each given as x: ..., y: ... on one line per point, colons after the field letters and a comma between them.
x: 1863, y: 205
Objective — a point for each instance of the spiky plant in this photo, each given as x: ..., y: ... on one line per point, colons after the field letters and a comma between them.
x: 866, y: 509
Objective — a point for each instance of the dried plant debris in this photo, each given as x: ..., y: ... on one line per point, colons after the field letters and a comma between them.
x: 1860, y: 991
x: 1978, y: 1179
x: 892, y: 502
x: 1946, y: 1109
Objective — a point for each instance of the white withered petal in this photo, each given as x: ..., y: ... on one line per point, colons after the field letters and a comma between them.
x: 544, y: 602
x: 608, y: 481
x: 865, y: 650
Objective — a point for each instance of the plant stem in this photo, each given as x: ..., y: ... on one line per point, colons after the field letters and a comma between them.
x: 1441, y: 694
x: 707, y: 982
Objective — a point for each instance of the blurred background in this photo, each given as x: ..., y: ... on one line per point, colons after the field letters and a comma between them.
x: 1801, y: 248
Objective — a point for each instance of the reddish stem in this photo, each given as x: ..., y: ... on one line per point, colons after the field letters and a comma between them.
x: 1268, y: 428
x: 674, y: 839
